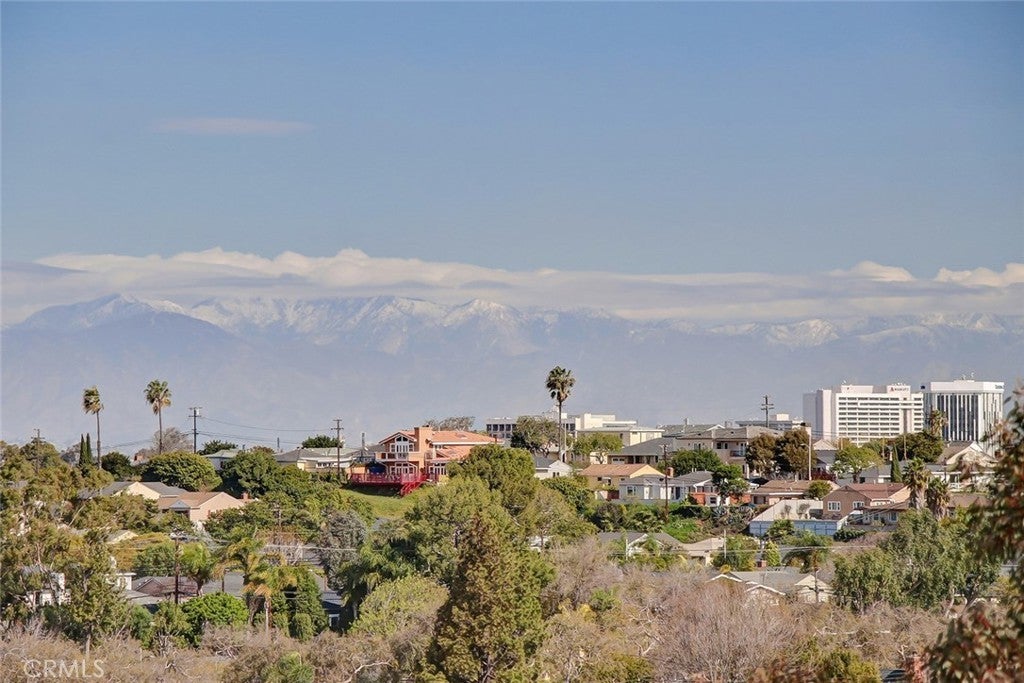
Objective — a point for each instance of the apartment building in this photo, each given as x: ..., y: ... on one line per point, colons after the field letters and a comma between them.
x: 972, y: 408
x: 861, y: 413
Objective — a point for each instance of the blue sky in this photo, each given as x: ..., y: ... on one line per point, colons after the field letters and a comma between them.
x: 656, y: 138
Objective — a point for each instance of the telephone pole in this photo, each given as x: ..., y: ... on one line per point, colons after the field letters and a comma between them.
x: 337, y: 437
x: 195, y: 429
x: 766, y: 406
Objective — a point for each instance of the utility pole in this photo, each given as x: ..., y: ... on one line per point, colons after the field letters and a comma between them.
x: 176, y: 536
x: 195, y: 429
x: 668, y: 474
x: 766, y: 406
x: 337, y: 433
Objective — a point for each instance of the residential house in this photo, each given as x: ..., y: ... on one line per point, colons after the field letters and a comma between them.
x: 412, y: 457
x: 781, y: 489
x: 649, y: 452
x: 198, y: 506
x: 318, y: 459
x: 548, y: 468
x: 650, y: 489
x: 163, y: 587
x: 609, y: 477
x: 150, y: 490
x: 628, y: 431
x: 778, y: 584
x: 704, y: 552
x: 856, y: 497
x: 636, y: 542
x: 222, y: 456
x: 889, y: 515
x: 49, y: 587
x: 729, y: 443
x: 805, y: 513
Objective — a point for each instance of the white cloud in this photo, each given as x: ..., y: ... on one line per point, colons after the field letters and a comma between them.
x: 189, y: 277
x: 229, y: 126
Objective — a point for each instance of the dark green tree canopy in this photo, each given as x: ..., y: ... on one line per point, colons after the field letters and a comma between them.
x: 321, y: 441
x: 508, y: 471
x: 535, y: 434
x: 119, y: 466
x: 215, y: 446
x: 183, y: 469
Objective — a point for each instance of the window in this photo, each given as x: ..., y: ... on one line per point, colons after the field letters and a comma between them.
x: 858, y: 504
x: 835, y: 506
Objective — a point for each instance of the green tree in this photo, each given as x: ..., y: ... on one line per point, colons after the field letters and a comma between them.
x: 895, y: 471
x: 819, y: 489
x: 791, y: 451
x: 491, y: 623
x: 198, y: 564
x: 183, y: 469
x: 984, y: 643
x: 780, y: 529
x: 937, y: 421
x: 867, y: 579
x: 535, y: 434
x: 729, y: 481
x: 119, y: 466
x: 298, y: 596
x: 461, y: 423
x: 321, y: 441
x: 155, y: 560
x: 921, y: 445
x: 158, y: 396
x: 937, y: 497
x: 170, y: 626
x: 575, y: 492
x: 739, y: 554
x: 559, y: 385
x: 852, y: 460
x: 214, y: 609
x: 91, y: 404
x: 341, y: 536
x: 916, y: 475
x: 684, y: 462
x: 600, y: 443
x: 811, y: 549
x: 760, y: 454
x: 508, y: 471
x: 85, y: 463
x: 771, y: 555
x: 95, y: 607
x: 253, y: 472
x: 216, y: 446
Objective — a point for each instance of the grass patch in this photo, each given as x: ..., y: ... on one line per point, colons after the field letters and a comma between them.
x: 686, y: 530
x: 385, y: 502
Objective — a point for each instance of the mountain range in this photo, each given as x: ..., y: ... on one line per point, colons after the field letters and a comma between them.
x: 263, y: 369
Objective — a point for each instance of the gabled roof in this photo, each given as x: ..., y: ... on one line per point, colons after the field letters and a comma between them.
x: 542, y: 463
x: 695, y: 478
x: 614, y: 470
x: 157, y: 487
x: 716, y: 432
x: 298, y: 454
x: 688, y: 429
x: 873, y: 491
x: 191, y: 500
x: 784, y: 486
x: 784, y: 580
x: 654, y: 447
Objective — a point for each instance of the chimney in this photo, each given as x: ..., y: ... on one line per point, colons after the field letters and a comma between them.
x: 423, y: 436
x: 670, y: 473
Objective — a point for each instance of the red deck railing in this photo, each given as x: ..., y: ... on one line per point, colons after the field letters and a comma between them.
x: 387, y: 479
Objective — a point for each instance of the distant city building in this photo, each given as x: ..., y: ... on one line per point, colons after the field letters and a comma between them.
x: 861, y: 413
x: 780, y: 422
x: 628, y: 431
x: 972, y: 408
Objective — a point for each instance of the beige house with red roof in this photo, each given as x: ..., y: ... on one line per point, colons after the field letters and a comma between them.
x: 198, y: 506
x: 611, y: 476
x: 851, y: 497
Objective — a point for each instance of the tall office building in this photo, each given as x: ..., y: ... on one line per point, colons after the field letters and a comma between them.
x: 861, y: 413
x: 971, y: 407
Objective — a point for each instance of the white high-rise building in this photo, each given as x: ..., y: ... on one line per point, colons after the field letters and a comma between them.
x: 971, y: 407
x: 861, y: 413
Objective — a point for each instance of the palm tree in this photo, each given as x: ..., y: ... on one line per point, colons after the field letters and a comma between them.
x: 158, y: 396
x: 916, y: 476
x: 560, y: 383
x: 198, y: 564
x: 91, y: 404
x: 937, y: 496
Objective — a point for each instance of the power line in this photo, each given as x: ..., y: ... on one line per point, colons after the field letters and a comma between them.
x: 266, y: 429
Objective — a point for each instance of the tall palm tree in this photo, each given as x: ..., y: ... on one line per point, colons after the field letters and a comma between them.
x: 158, y: 396
x: 91, y: 404
x: 916, y: 476
x: 560, y: 383
x: 937, y: 496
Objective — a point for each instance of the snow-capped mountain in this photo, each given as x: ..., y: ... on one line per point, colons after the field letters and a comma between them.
x: 384, y: 363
